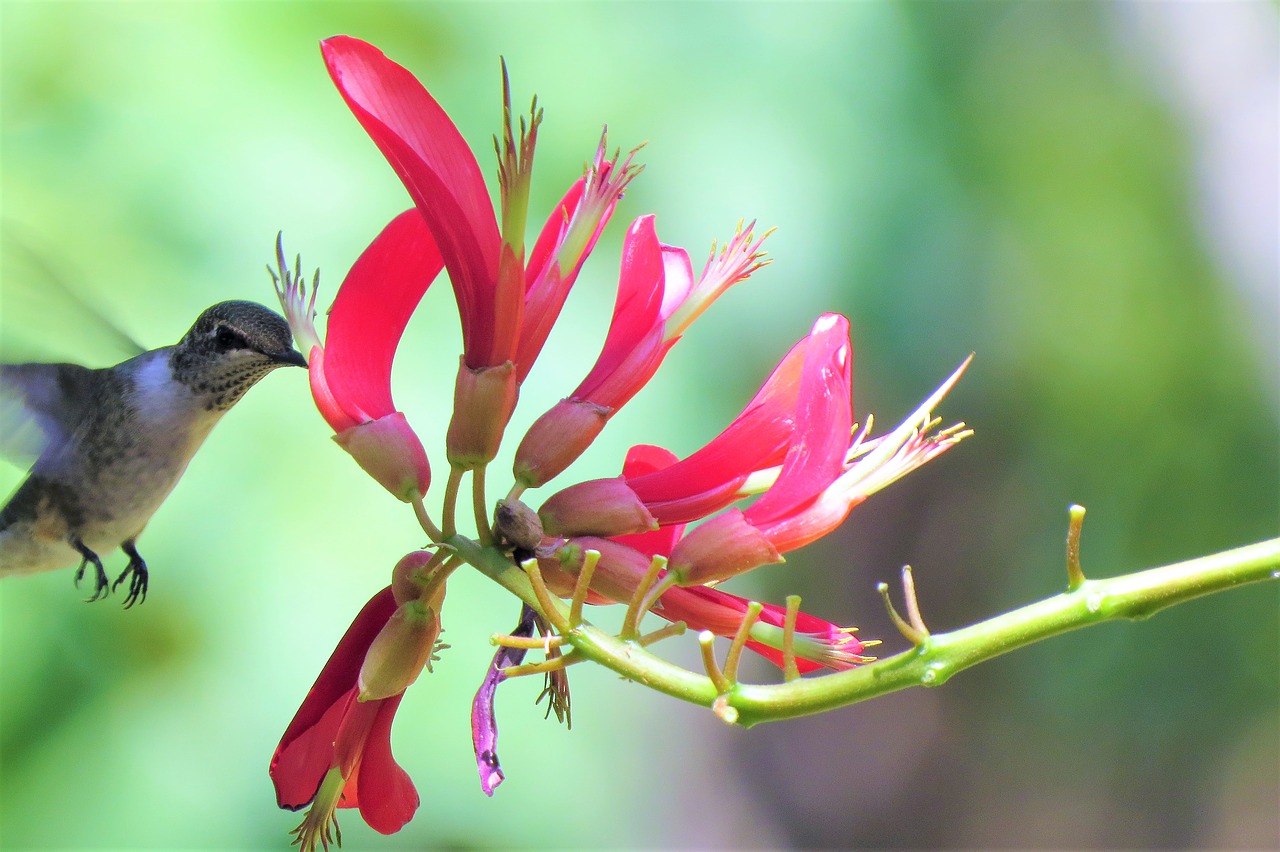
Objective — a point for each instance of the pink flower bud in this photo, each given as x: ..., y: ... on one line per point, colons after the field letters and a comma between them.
x: 604, y: 507
x: 390, y: 452
x: 483, y: 400
x: 409, y: 578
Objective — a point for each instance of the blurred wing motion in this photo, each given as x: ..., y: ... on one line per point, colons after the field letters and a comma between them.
x: 41, y: 407
x: 43, y: 318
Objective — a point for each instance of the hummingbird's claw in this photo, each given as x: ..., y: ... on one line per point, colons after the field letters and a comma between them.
x: 138, y: 582
x: 90, y: 558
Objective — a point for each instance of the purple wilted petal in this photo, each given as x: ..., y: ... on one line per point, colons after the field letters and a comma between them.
x: 484, y: 725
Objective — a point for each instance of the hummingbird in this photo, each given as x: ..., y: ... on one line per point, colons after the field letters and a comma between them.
x: 111, y: 443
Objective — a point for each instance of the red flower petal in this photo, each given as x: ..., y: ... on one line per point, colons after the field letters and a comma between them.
x: 644, y: 459
x: 824, y: 420
x: 297, y: 768
x: 380, y: 787
x: 369, y: 315
x: 721, y: 613
x: 294, y: 769
x: 758, y: 438
x: 634, y: 347
x: 433, y: 161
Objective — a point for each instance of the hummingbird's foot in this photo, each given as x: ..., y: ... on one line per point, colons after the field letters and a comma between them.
x: 138, y: 582
x: 90, y: 558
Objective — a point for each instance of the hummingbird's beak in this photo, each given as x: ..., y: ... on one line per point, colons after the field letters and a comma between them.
x: 291, y: 358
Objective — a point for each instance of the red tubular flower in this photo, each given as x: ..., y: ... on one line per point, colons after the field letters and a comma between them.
x: 567, y: 238
x: 336, y: 753
x: 760, y: 437
x: 486, y: 265
x: 794, y: 442
x: 818, y: 486
x: 658, y: 298
x: 351, y: 372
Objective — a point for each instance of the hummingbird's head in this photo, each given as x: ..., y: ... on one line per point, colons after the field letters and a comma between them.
x: 230, y: 347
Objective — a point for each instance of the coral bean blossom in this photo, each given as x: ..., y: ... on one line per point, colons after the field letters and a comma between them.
x: 658, y: 298
x: 486, y: 266
x: 351, y: 372
x: 337, y: 750
x: 656, y: 537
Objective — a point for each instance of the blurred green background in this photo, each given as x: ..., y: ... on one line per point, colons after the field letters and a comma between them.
x: 1083, y: 193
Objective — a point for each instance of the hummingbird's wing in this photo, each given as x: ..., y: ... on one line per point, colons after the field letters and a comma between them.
x: 43, y: 317
x: 41, y: 408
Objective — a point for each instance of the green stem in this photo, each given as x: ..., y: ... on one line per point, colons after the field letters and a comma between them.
x: 932, y: 662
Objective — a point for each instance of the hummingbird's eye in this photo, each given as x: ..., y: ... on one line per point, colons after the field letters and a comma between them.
x: 228, y: 338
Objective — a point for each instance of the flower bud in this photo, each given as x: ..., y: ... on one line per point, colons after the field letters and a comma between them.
x: 617, y: 574
x: 410, y: 577
x: 556, y: 439
x: 517, y: 525
x: 401, y: 649
x: 390, y: 452
x: 723, y: 547
x: 604, y: 507
x: 482, y: 404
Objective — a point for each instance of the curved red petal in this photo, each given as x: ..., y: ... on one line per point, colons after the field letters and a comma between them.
x: 371, y: 310
x: 382, y: 790
x: 702, y: 608
x: 432, y: 160
x: 339, y: 674
x: 647, y: 458
x: 298, y: 768
x: 758, y: 438
x: 824, y: 418
x: 644, y: 459
x: 633, y: 347
x: 330, y: 409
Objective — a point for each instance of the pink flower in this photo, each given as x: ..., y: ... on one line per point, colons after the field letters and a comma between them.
x: 761, y: 436
x: 658, y: 298
x: 795, y: 443
x: 336, y: 753
x: 351, y: 371
x: 506, y: 308
x: 818, y: 485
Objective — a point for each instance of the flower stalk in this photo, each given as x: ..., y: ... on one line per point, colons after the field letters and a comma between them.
x: 935, y: 660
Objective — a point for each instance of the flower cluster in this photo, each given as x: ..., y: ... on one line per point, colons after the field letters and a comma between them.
x: 666, y: 530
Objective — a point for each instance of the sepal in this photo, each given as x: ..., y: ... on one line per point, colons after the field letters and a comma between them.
x: 389, y: 450
x: 483, y: 400
x: 402, y: 648
x: 723, y: 547
x: 556, y: 439
x: 605, y: 507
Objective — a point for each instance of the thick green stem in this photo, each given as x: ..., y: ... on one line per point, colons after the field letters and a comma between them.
x: 930, y: 663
